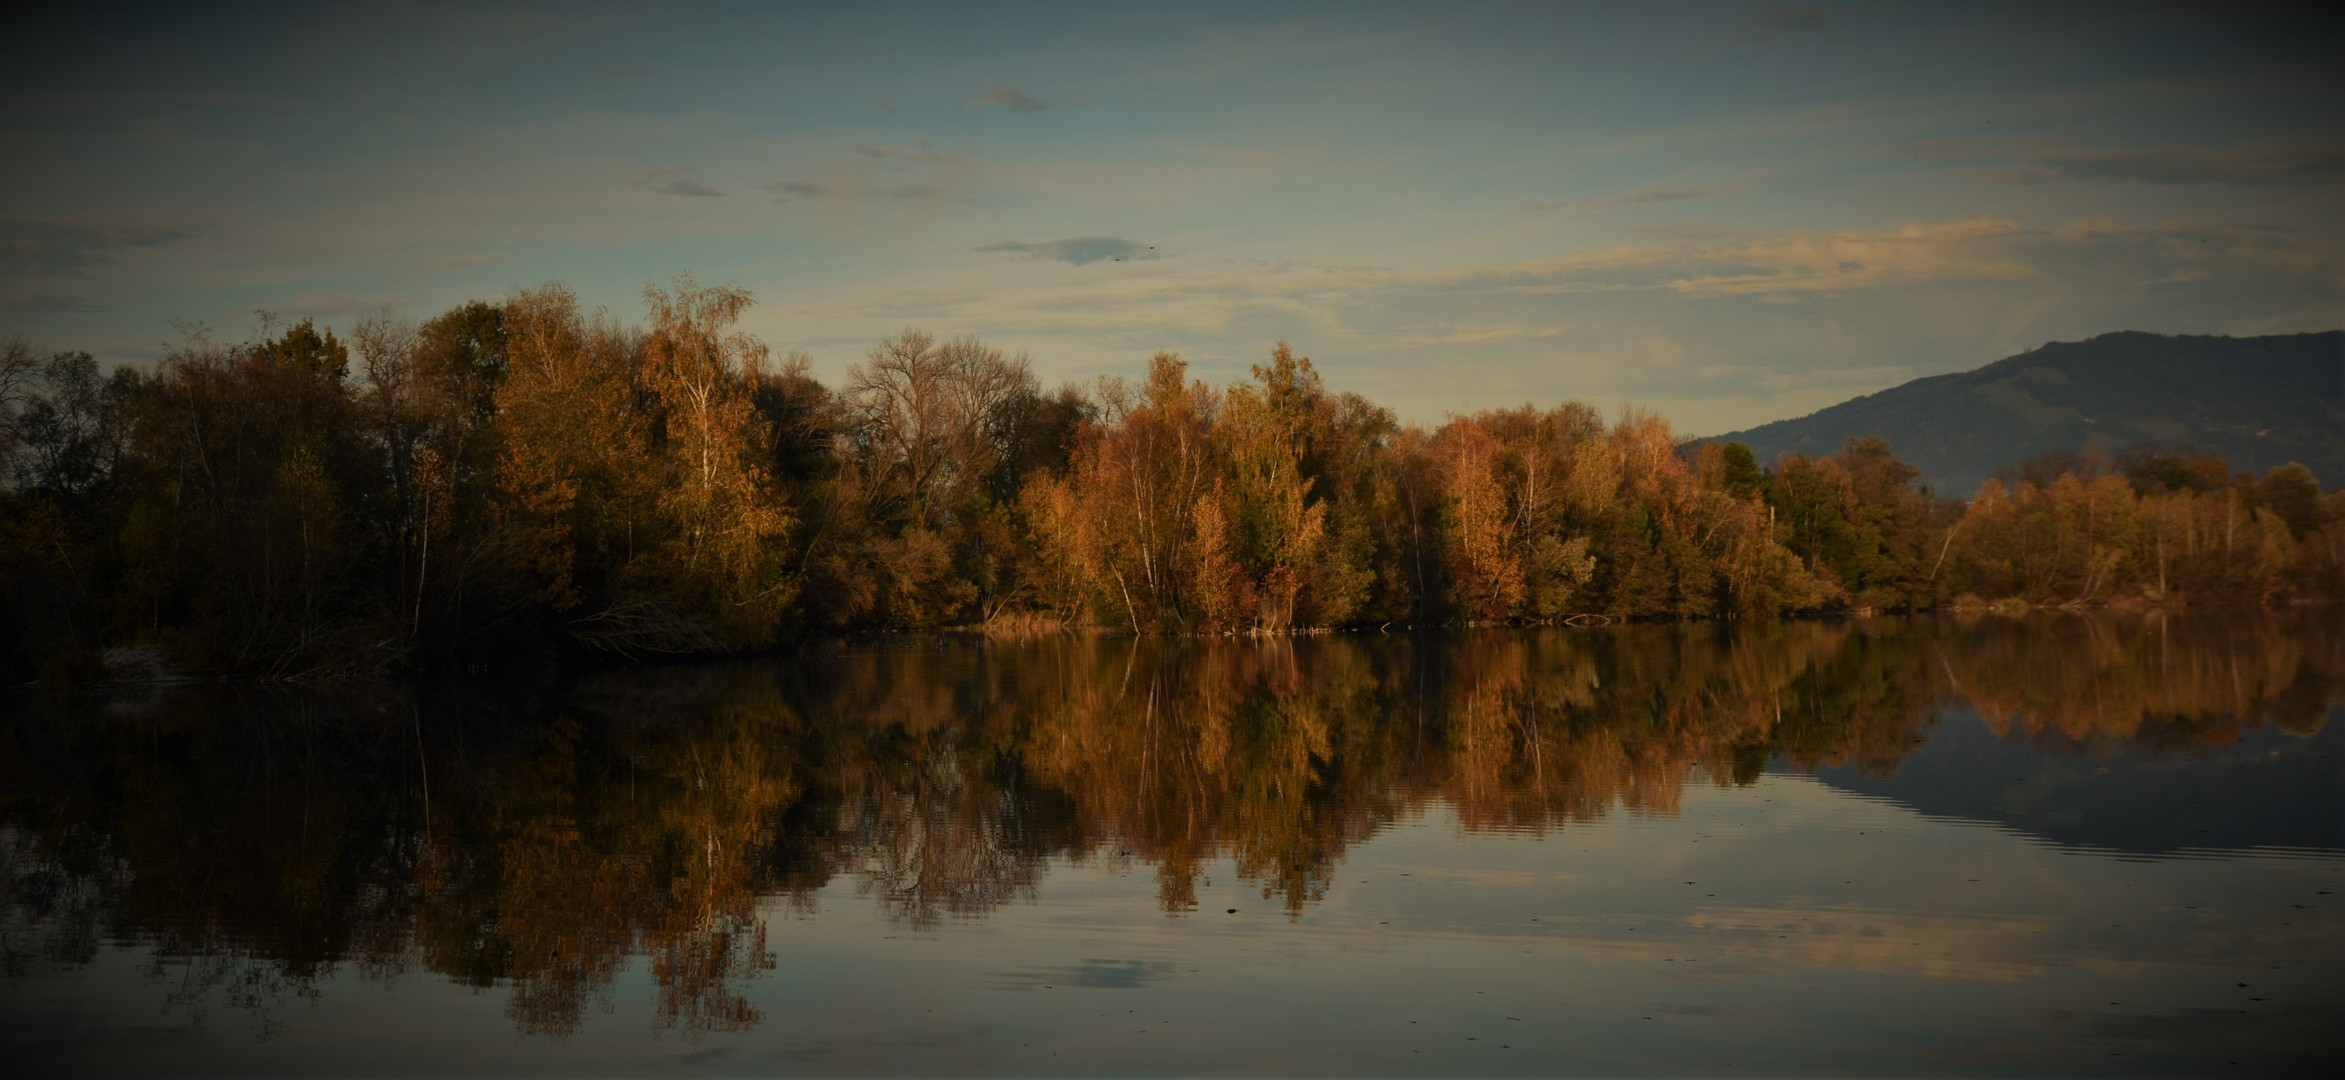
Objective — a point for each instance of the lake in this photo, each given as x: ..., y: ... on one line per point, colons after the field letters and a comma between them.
x: 1932, y: 845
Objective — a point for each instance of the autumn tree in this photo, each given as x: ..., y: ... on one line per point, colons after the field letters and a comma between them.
x: 1123, y: 522
x: 928, y: 423
x: 505, y: 477
x: 726, y: 524
x: 63, y: 431
x: 243, y: 539
x: 578, y: 485
x: 1485, y: 569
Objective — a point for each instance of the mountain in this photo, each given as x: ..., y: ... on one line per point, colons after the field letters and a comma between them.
x: 2258, y: 402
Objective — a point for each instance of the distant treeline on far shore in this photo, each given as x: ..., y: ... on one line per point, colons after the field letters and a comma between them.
x: 529, y: 477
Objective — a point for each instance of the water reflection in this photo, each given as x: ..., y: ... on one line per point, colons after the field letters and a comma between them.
x: 538, y: 841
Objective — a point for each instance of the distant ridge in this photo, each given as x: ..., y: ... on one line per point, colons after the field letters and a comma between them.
x: 2258, y: 402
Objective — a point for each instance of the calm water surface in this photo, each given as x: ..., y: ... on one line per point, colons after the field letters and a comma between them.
x: 2062, y: 844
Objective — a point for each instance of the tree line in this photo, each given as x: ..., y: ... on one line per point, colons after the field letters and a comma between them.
x: 533, y: 476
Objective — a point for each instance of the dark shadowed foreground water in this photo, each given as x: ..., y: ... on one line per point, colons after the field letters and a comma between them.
x: 2059, y: 844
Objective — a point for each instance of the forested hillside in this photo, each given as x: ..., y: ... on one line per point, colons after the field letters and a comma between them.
x: 2256, y: 402
x: 527, y: 477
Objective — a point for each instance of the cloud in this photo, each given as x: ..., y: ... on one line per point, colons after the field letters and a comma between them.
x: 1925, y: 263
x: 1698, y: 262
x: 46, y: 304
x: 885, y: 106
x: 1738, y: 263
x: 1006, y: 94
x: 1077, y: 250
x: 918, y: 173
x: 57, y: 247
x: 1706, y: 262
x: 690, y: 188
x: 2267, y: 166
x: 459, y: 262
x: 1462, y: 334
x: 1652, y: 195
x: 1768, y: 25
x: 896, y: 189
x: 677, y: 180
x: 323, y: 303
x: 2293, y: 166
x: 1688, y: 268
x: 920, y: 151
x: 1945, y: 150
x: 802, y: 189
x: 1718, y: 327
x: 1795, y: 20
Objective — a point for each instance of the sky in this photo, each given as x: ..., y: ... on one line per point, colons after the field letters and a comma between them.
x: 1727, y: 213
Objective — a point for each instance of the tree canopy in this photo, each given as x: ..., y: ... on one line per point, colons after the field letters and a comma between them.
x: 508, y: 478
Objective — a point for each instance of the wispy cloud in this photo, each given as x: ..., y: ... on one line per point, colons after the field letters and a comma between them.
x: 2311, y: 165
x: 885, y: 106
x: 1691, y: 262
x: 1077, y: 250
x: 1009, y: 96
x: 325, y: 303
x: 807, y: 189
x: 896, y: 188
x: 1723, y: 262
x: 920, y: 171
x: 1769, y: 25
x: 46, y: 304
x: 1926, y: 263
x: 2290, y: 166
x: 1720, y: 326
x: 459, y: 262
x: 677, y: 180
x: 921, y: 150
x: 1795, y: 20
x: 1945, y: 150
x: 1702, y: 262
x: 1650, y: 195
x: 61, y: 247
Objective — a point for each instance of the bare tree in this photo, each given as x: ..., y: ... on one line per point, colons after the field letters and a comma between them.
x: 926, y: 415
x: 19, y: 370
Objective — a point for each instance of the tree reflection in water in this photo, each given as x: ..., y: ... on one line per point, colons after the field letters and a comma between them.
x: 541, y: 840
